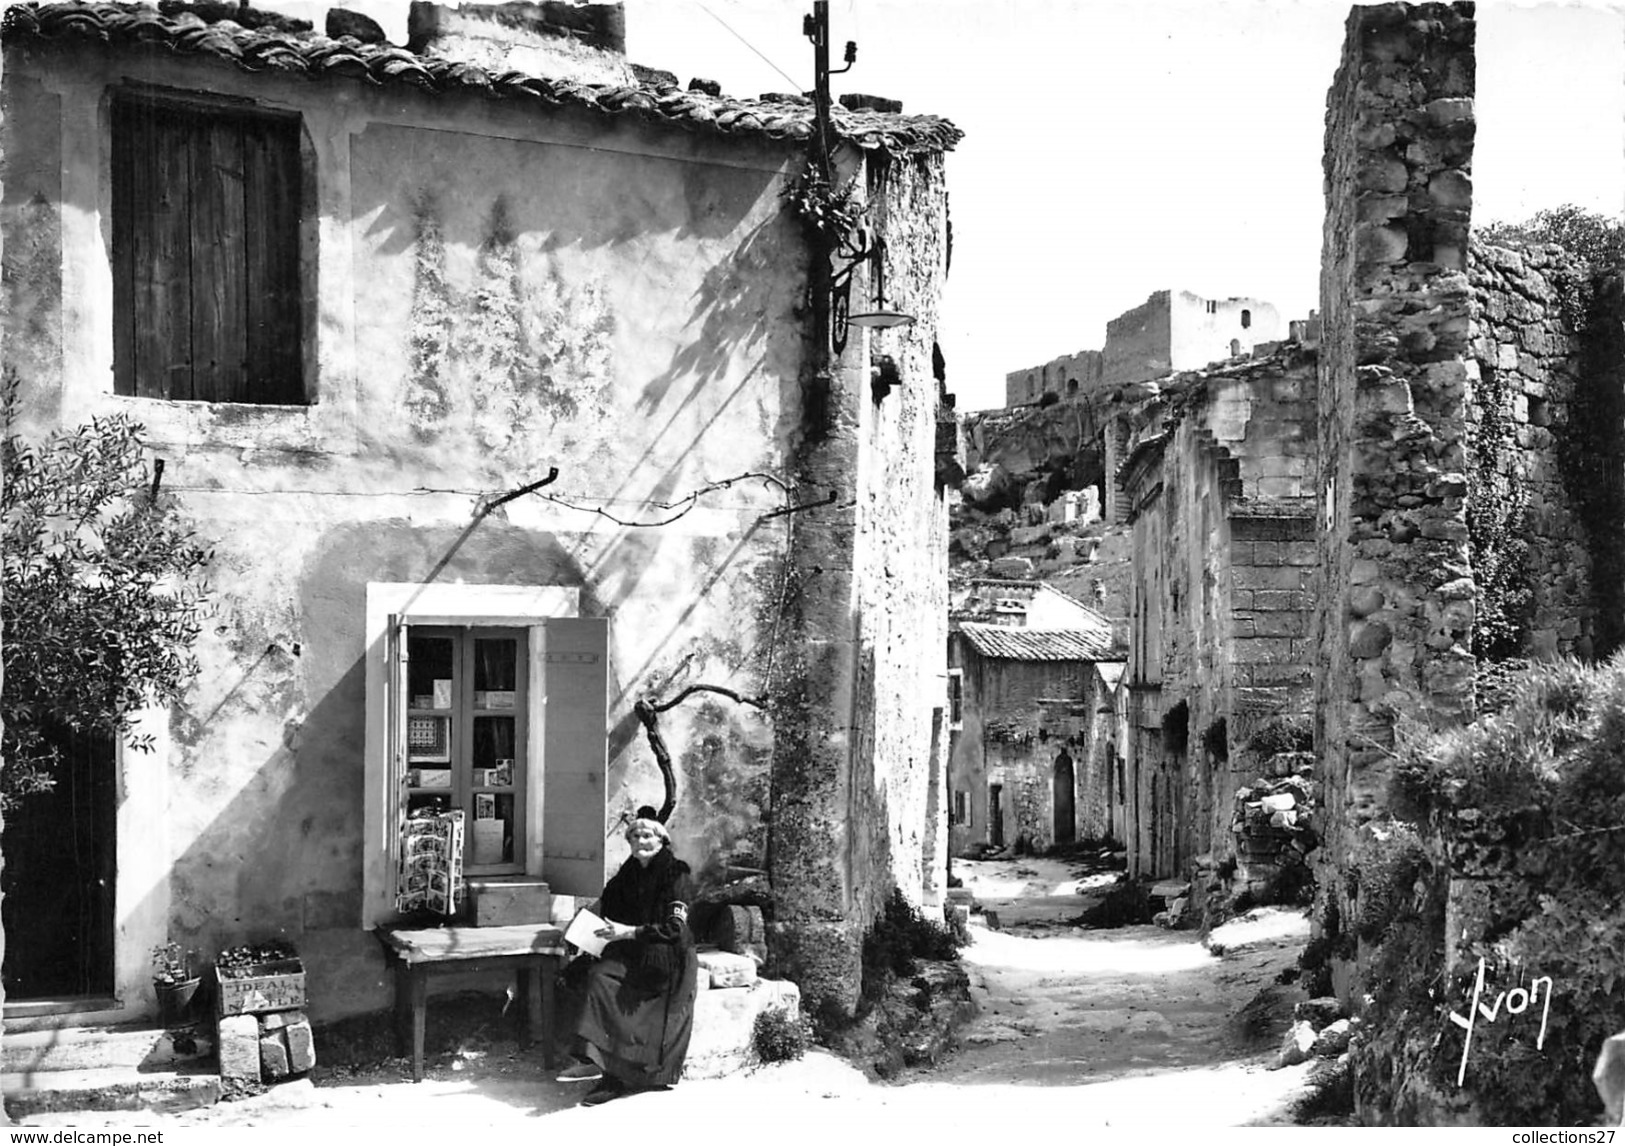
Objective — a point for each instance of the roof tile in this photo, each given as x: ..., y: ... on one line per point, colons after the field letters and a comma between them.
x: 1003, y: 642
x: 319, y: 57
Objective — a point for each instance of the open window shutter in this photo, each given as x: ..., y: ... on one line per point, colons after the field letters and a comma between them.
x: 574, y: 679
x: 396, y: 645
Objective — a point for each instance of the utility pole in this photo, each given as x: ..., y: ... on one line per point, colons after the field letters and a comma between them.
x: 816, y: 27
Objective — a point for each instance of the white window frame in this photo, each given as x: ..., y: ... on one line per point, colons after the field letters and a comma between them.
x: 499, y: 606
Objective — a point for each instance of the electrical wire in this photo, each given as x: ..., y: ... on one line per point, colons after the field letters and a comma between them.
x: 752, y: 47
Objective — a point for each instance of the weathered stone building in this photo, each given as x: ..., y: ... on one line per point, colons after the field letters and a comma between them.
x: 1172, y: 330
x: 1219, y: 480
x: 1029, y: 710
x: 1067, y: 376
x: 480, y: 274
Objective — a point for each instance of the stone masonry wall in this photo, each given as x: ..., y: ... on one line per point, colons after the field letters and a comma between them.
x: 1226, y: 556
x: 1395, y: 581
x: 1529, y: 359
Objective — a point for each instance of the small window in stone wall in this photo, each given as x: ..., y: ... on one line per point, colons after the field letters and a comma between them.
x: 956, y: 698
x: 962, y: 809
x: 1246, y: 319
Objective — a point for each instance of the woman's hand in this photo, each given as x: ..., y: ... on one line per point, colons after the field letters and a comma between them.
x: 613, y: 931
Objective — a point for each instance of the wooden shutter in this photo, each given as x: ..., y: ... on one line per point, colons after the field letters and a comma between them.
x: 396, y: 702
x: 274, y: 354
x: 152, y: 220
x: 206, y: 299
x: 575, y: 688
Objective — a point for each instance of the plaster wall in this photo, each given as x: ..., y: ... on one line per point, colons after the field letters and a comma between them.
x: 470, y: 326
x: 900, y: 561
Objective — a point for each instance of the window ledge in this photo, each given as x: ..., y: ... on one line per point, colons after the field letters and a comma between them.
x: 235, y: 425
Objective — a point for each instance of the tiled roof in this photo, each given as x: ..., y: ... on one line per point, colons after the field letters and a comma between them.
x: 1015, y: 644
x: 316, y: 56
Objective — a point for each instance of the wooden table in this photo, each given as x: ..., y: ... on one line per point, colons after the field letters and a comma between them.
x: 534, y: 950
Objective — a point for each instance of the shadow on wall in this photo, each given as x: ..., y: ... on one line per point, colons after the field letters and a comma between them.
x: 284, y: 856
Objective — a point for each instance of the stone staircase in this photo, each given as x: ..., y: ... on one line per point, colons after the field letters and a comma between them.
x: 107, y: 1068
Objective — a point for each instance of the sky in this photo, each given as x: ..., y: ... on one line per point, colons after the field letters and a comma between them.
x: 1113, y: 149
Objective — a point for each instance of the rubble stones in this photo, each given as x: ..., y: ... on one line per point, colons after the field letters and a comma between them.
x: 723, y: 969
x: 273, y: 1058
x: 1333, y: 1040
x: 1297, y: 1045
x: 301, y: 1046
x: 1319, y: 1012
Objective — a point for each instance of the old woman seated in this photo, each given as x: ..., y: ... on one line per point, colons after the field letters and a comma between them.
x: 639, y: 1007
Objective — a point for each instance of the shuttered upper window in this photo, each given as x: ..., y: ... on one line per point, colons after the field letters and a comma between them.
x: 206, y: 293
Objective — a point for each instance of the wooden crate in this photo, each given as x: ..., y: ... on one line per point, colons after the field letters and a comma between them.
x: 498, y: 903
x: 278, y: 986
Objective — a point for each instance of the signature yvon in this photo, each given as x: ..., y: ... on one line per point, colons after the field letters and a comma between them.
x: 1517, y: 1000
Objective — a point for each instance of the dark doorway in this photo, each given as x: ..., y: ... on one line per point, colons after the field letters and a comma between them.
x: 1066, y: 819
x: 995, y: 815
x: 59, y: 878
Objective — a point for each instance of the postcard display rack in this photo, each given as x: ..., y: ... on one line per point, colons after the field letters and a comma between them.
x: 431, y: 863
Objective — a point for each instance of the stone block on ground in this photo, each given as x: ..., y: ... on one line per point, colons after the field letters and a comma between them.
x: 738, y: 928
x: 1170, y: 889
x: 1320, y: 1012
x: 725, y: 1023
x: 1297, y: 1046
x: 1334, y: 1040
x: 301, y: 1046
x: 273, y: 1057
x: 240, y: 1049
x: 726, y: 969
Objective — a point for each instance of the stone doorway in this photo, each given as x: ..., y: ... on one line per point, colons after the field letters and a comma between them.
x: 59, y: 878
x: 995, y: 815
x: 1066, y: 819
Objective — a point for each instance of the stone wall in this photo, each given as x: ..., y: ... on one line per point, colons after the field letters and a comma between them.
x: 1531, y: 559
x: 1068, y: 376
x: 1220, y: 473
x: 1139, y: 342
x: 1394, y: 577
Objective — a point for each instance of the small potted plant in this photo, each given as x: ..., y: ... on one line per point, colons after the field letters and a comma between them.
x: 174, y: 983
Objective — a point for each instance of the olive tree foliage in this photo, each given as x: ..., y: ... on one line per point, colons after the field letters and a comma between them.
x: 105, y: 586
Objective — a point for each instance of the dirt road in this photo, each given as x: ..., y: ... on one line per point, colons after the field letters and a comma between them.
x: 1128, y: 1027
x: 1130, y: 1021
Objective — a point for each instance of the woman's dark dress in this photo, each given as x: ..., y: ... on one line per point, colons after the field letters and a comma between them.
x: 639, y: 1008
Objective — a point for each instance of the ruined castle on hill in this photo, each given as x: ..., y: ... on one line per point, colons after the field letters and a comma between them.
x: 1309, y: 536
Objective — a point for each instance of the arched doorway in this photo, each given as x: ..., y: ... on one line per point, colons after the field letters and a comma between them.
x: 1066, y: 819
